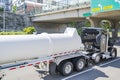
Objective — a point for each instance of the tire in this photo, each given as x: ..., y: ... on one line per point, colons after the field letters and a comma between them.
x: 80, y: 64
x: 97, y: 59
x: 113, y: 53
x: 65, y: 68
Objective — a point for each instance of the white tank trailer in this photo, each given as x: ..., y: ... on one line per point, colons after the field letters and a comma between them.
x: 24, y: 47
x: 19, y: 51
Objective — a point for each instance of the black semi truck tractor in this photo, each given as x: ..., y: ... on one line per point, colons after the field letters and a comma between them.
x: 98, y: 43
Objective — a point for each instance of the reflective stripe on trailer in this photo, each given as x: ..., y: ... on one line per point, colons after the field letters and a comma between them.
x: 22, y: 66
x: 12, y: 68
x: 30, y: 65
x: 37, y: 63
x: 64, y: 53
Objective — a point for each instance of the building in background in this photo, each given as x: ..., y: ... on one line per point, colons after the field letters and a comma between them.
x: 37, y: 6
x: 6, y: 4
x: 28, y: 6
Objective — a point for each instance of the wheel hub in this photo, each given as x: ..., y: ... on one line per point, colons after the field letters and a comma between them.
x: 80, y: 65
x: 68, y: 69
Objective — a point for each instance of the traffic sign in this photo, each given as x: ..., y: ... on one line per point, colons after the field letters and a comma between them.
x: 104, y: 5
x: 87, y: 14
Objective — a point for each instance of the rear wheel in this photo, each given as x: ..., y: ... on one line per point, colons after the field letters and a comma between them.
x: 66, y: 68
x: 80, y: 64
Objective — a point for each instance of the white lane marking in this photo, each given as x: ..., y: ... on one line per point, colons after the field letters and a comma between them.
x: 109, y: 62
x: 90, y: 69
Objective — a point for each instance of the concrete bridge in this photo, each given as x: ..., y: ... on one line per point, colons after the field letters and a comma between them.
x: 65, y: 15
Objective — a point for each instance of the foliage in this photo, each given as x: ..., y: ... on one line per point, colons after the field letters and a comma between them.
x: 12, y: 33
x: 106, y: 25
x: 29, y: 30
x: 77, y: 26
x: 87, y: 24
x: 14, y: 8
x: 73, y: 24
x: 79, y: 30
x: 1, y: 9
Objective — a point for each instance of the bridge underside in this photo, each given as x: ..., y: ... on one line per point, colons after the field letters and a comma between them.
x: 62, y: 20
x: 110, y: 15
x: 68, y: 15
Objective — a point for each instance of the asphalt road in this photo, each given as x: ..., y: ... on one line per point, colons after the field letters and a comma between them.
x: 106, y: 70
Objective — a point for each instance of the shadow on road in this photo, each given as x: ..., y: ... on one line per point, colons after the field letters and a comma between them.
x: 91, y: 75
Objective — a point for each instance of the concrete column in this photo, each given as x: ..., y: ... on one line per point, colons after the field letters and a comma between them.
x: 115, y: 26
x: 94, y: 21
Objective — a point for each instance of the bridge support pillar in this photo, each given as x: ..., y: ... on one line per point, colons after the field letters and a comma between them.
x: 115, y: 26
x: 94, y: 22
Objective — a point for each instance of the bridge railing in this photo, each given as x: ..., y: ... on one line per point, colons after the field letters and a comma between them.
x: 57, y: 6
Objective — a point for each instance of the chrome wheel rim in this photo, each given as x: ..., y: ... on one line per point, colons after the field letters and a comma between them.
x: 80, y: 65
x: 68, y: 69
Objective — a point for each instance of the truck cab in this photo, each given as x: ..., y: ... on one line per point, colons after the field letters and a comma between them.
x: 98, y: 43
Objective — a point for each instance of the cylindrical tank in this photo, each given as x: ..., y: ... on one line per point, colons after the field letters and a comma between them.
x: 22, y: 47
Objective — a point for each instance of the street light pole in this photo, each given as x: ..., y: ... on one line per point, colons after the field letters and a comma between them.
x: 4, y: 19
x: 67, y: 3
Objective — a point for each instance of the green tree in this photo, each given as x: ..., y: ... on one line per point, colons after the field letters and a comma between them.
x: 105, y: 24
x: 29, y: 30
x: 77, y: 25
x: 14, y: 8
x: 1, y: 9
x: 87, y: 24
x: 73, y: 24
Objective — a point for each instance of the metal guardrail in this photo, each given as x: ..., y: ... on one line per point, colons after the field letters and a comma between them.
x: 59, y: 7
